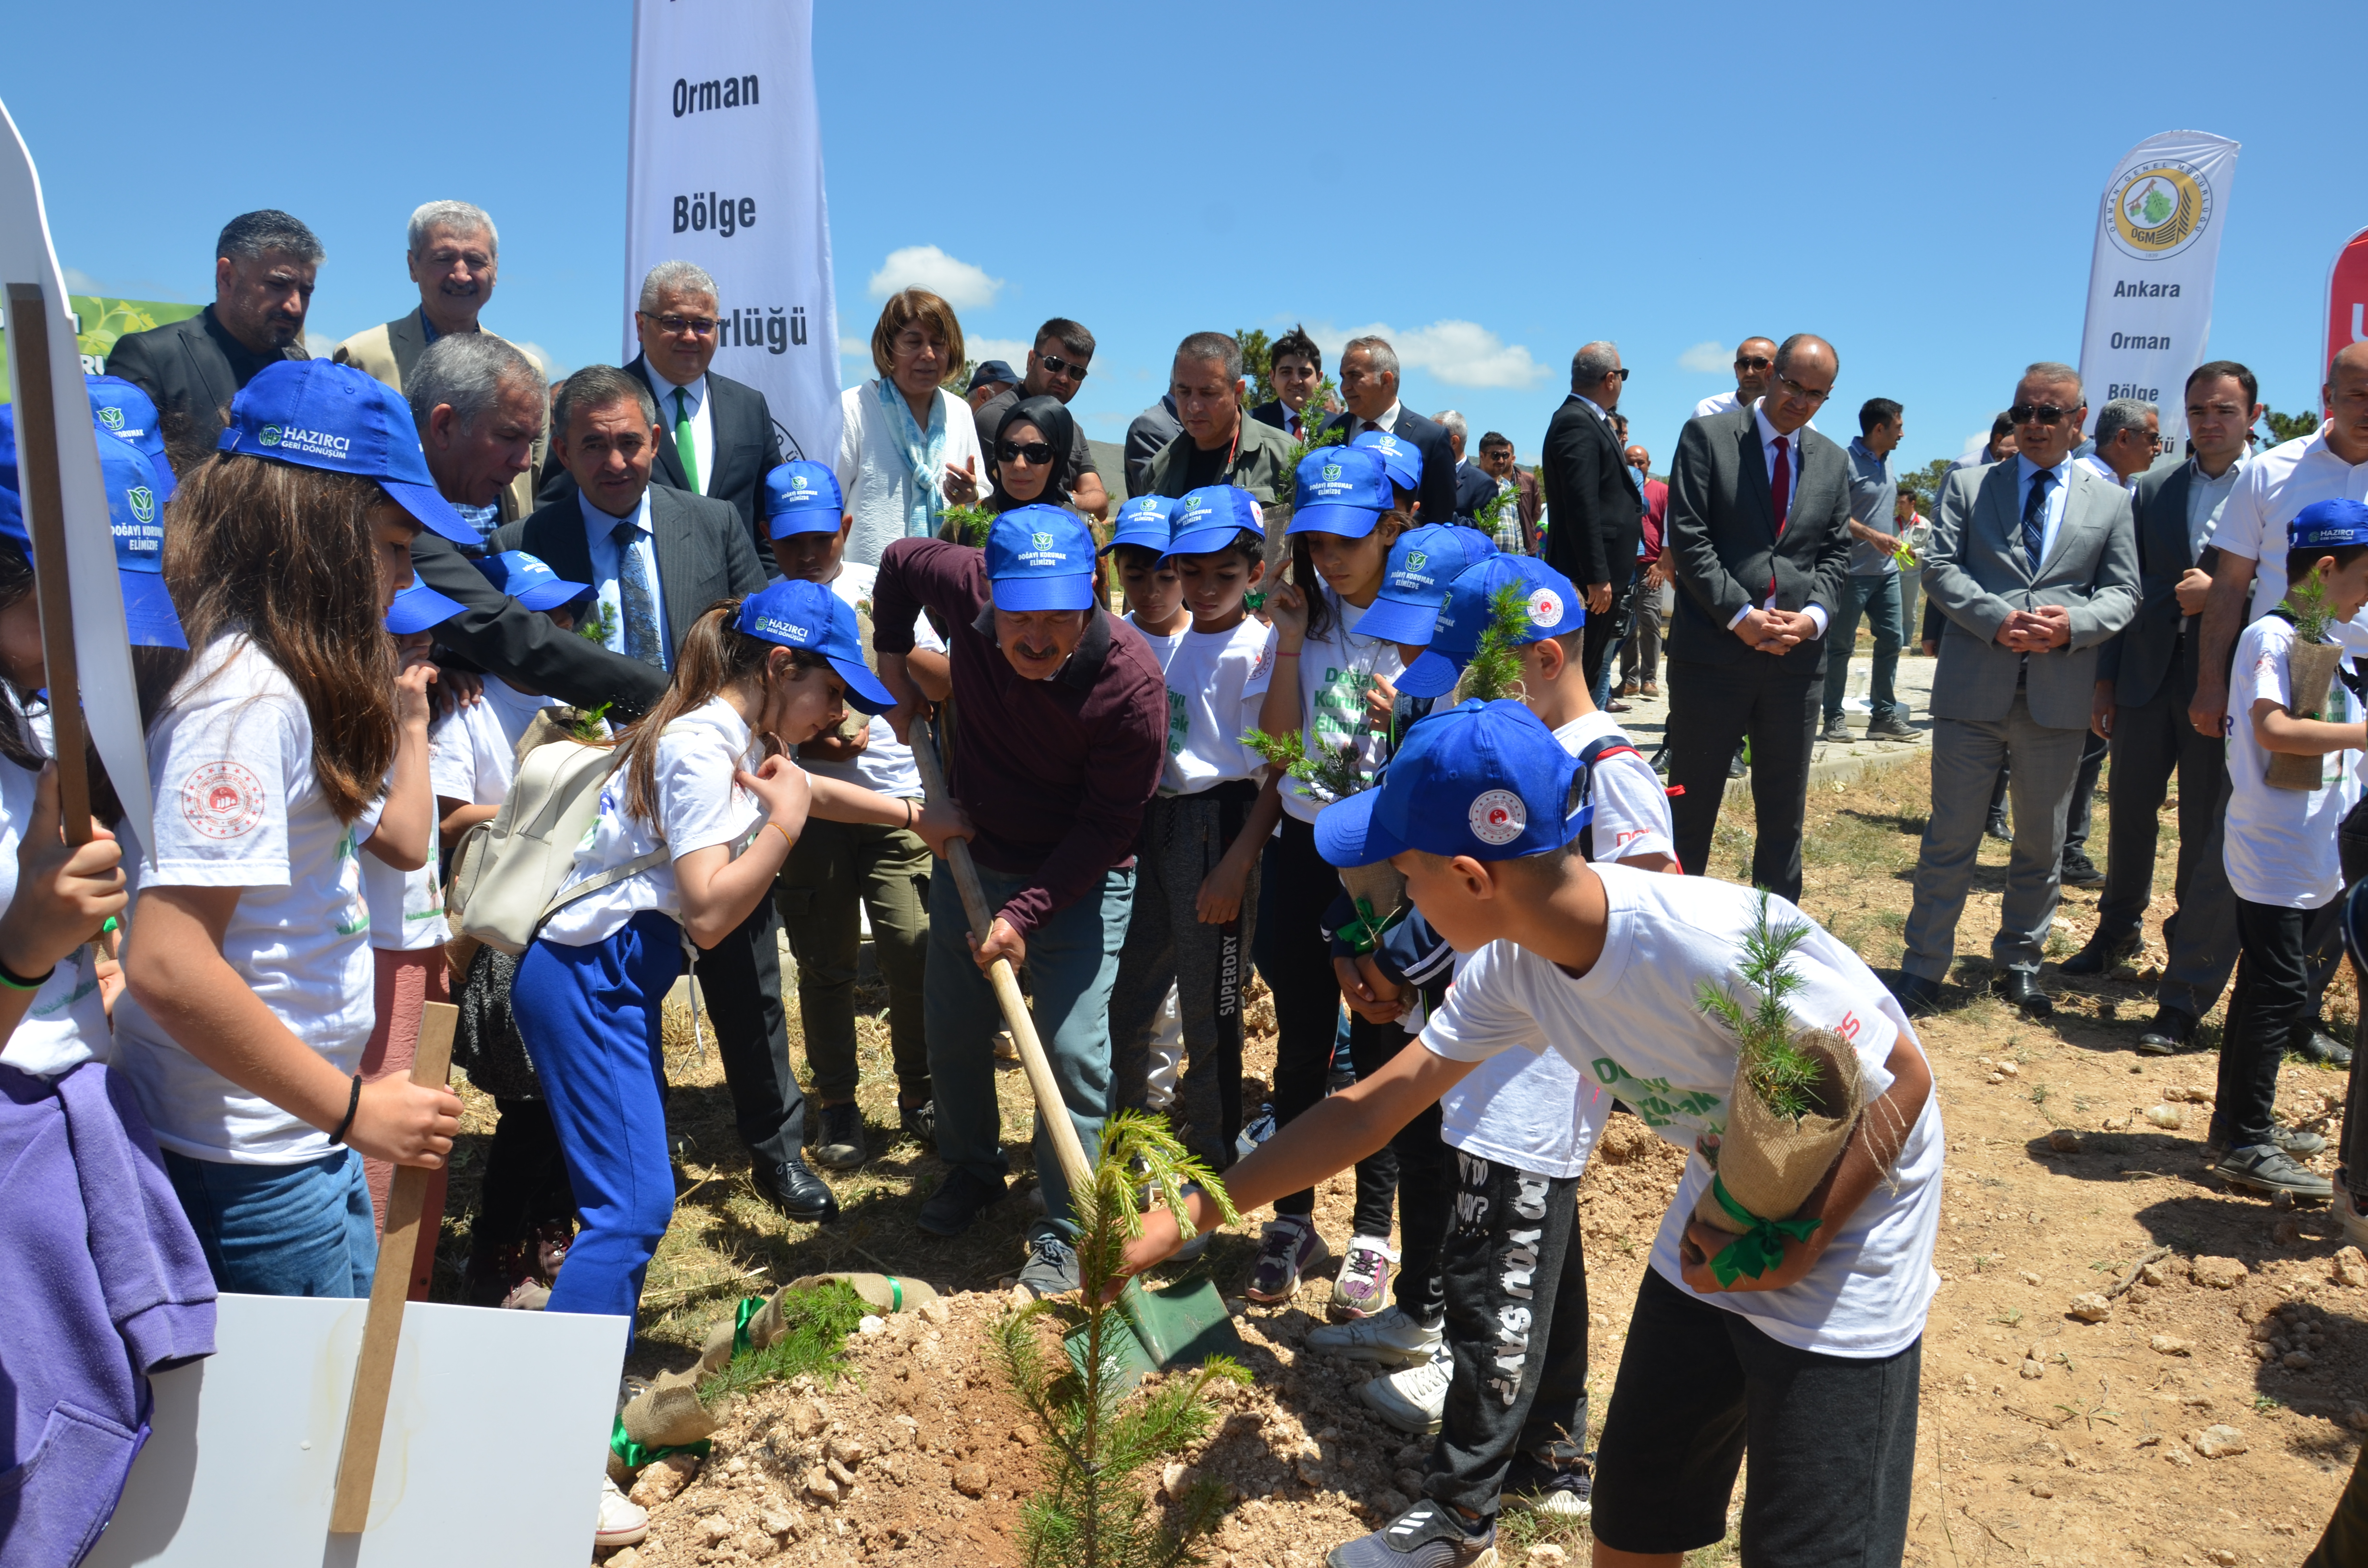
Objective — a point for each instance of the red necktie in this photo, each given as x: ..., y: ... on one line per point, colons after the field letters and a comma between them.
x: 1780, y: 485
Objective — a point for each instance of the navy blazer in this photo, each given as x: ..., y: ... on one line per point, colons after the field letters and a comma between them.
x: 1429, y: 438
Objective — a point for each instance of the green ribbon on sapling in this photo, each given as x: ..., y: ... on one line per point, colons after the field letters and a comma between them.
x: 1759, y: 1249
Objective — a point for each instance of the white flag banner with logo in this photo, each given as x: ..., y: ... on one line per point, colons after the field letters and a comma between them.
x: 725, y: 170
x: 2150, y: 283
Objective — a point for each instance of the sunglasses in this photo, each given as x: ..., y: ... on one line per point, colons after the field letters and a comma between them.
x: 2036, y: 413
x: 1056, y: 366
x: 1756, y: 362
x: 1621, y: 374
x: 698, y: 326
x: 1037, y: 452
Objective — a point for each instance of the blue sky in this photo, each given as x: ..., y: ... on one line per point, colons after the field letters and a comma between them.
x: 1495, y: 184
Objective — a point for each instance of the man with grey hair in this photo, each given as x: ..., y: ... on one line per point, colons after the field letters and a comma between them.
x: 452, y: 254
x: 716, y: 437
x: 1369, y: 389
x: 1594, y: 515
x: 1218, y: 443
x: 478, y: 406
x: 264, y: 267
x: 1474, y: 485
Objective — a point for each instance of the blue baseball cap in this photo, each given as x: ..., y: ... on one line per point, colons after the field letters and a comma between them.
x: 1422, y: 564
x: 802, y: 498
x: 419, y: 608
x: 799, y: 614
x: 1144, y: 521
x: 135, y: 512
x: 1340, y: 490
x: 1486, y: 779
x: 1212, y: 517
x: 1401, y: 459
x: 2325, y: 524
x: 1552, y: 603
x: 125, y: 412
x: 318, y: 414
x: 993, y: 373
x: 1040, y: 557
x: 529, y: 580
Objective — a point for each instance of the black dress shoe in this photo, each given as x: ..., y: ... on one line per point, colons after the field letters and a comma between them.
x: 2325, y: 1050
x: 1997, y: 829
x: 2102, y: 955
x: 796, y: 1191
x: 2170, y: 1030
x: 2019, y: 988
x: 2078, y: 872
x: 960, y: 1199
x: 1918, y: 997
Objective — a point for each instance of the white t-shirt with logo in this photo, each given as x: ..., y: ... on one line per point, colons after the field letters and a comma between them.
x: 1634, y: 1024
x: 1335, y: 673
x: 229, y: 761
x: 510, y: 709
x: 2280, y: 845
x: 1537, y: 1113
x: 66, y: 1026
x: 884, y: 766
x: 699, y: 805
x: 406, y: 908
x: 1216, y: 683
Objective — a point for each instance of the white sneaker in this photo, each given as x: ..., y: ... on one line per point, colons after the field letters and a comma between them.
x: 623, y: 1522
x: 1412, y: 1399
x: 1390, y: 1337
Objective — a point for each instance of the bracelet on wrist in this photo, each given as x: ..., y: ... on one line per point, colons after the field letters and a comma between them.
x: 353, y: 1104
x: 789, y: 844
x: 15, y: 981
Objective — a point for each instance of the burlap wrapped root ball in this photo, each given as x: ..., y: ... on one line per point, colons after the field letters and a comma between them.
x: 2310, y: 669
x: 1768, y: 1164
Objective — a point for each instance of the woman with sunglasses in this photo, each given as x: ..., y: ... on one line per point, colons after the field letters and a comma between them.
x: 1029, y: 456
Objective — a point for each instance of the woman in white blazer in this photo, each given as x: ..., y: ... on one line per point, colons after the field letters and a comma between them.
x: 909, y: 448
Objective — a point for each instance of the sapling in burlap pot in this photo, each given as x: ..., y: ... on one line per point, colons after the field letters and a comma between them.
x: 2310, y: 672
x: 1797, y: 1096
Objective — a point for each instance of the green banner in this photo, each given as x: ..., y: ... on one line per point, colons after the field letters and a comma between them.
x: 99, y: 322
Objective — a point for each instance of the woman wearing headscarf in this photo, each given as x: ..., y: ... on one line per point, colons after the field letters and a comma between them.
x: 1030, y: 454
x: 907, y: 447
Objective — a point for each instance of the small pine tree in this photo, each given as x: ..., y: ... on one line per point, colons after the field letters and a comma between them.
x: 2306, y: 602
x: 1494, y: 671
x: 1094, y: 1511
x: 969, y: 524
x: 1784, y: 1077
x: 1286, y: 483
x: 1330, y: 776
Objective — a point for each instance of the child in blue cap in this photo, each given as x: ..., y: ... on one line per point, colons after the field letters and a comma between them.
x: 836, y: 864
x: 1138, y: 550
x: 1816, y: 1359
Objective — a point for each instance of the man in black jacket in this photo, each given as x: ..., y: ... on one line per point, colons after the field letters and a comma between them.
x: 264, y: 266
x: 1594, y: 515
x: 1759, y: 534
x: 1369, y: 385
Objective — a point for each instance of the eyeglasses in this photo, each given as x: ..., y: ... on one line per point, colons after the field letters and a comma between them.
x: 1806, y: 394
x: 1056, y: 366
x: 2036, y: 413
x: 1036, y: 452
x: 697, y: 326
x: 1756, y: 362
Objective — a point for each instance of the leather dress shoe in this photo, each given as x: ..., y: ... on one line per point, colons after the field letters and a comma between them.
x: 2019, y: 988
x: 2100, y: 956
x: 2325, y: 1050
x: 1996, y: 828
x: 2170, y: 1031
x: 1918, y: 997
x: 793, y: 1189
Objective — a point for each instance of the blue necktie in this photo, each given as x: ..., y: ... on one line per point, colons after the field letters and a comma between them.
x: 634, y: 588
x: 2035, y: 519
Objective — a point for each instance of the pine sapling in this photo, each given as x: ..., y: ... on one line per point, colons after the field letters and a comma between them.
x: 1494, y: 671
x: 1286, y: 483
x: 2306, y: 602
x: 969, y: 524
x: 600, y: 625
x: 1328, y: 774
x: 1785, y: 1078
x: 1094, y: 1510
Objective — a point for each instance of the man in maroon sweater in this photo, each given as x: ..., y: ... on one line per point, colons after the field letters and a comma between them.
x: 1061, y: 731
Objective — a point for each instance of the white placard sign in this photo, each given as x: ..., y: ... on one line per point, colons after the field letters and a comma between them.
x: 2150, y: 281
x: 724, y: 169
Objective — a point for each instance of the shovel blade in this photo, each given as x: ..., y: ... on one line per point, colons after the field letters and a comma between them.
x: 1180, y: 1325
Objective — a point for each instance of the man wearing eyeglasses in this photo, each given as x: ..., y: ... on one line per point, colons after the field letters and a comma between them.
x: 1758, y: 540
x: 1754, y: 357
x: 2127, y: 436
x: 1594, y: 514
x: 1056, y: 367
x: 2033, y: 562
x: 716, y: 436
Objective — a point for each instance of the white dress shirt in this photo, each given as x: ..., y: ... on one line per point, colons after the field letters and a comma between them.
x: 1768, y: 434
x: 2104, y: 470
x: 703, y: 423
x: 2274, y: 486
x: 2051, y: 519
x: 1295, y: 420
x: 1723, y: 402
x: 607, y: 563
x: 1389, y: 420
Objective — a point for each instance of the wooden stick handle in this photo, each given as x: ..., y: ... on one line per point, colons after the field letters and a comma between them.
x: 45, y: 522
x: 1016, y: 1016
x: 383, y: 1330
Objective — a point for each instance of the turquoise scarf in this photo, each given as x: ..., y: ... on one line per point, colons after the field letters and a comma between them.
x: 925, y: 458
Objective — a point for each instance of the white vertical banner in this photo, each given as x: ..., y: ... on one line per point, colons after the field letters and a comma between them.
x: 725, y: 170
x: 2150, y: 281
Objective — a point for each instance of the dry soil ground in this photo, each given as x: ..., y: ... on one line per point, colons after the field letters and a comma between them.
x: 2043, y: 1439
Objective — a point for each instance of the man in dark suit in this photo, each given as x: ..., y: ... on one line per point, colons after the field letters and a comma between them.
x: 726, y: 425
x: 656, y: 558
x: 1757, y: 538
x: 1369, y: 385
x: 1594, y: 515
x: 1474, y: 486
x: 1294, y: 365
x: 264, y: 266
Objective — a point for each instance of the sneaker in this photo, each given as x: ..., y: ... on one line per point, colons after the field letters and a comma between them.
x: 1363, y: 1286
x: 919, y: 1122
x: 2078, y: 872
x: 1412, y: 1399
x: 960, y: 1199
x: 1891, y: 727
x: 1543, y: 1486
x: 1428, y: 1535
x: 1006, y: 1048
x: 2289, y: 1140
x: 1837, y: 732
x: 1736, y: 769
x: 1288, y: 1248
x: 1051, y: 1268
x: 622, y: 1521
x: 1631, y: 686
x: 840, y: 1146
x: 1391, y: 1336
x: 2265, y: 1167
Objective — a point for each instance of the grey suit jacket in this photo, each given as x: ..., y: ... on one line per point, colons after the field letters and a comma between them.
x: 1974, y: 571
x: 702, y: 548
x: 2140, y: 655
x: 1720, y: 531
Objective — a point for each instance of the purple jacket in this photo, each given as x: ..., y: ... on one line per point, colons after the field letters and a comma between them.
x: 107, y: 1284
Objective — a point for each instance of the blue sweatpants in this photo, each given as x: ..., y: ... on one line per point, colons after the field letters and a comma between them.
x: 591, y: 1017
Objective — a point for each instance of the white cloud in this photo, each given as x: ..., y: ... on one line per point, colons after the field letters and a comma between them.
x: 1974, y: 443
x: 1707, y: 359
x: 81, y: 282
x: 1461, y: 353
x: 1011, y: 350
x: 321, y: 348
x: 552, y: 369
x: 962, y: 286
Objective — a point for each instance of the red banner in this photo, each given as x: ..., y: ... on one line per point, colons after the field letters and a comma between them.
x: 2347, y: 298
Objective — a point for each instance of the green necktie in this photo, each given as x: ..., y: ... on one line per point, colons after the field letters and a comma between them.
x: 682, y: 446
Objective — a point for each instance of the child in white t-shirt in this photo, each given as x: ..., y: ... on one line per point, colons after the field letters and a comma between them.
x: 838, y: 865
x: 2281, y: 848
x: 694, y: 824
x: 1196, y: 858
x: 1815, y: 1358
